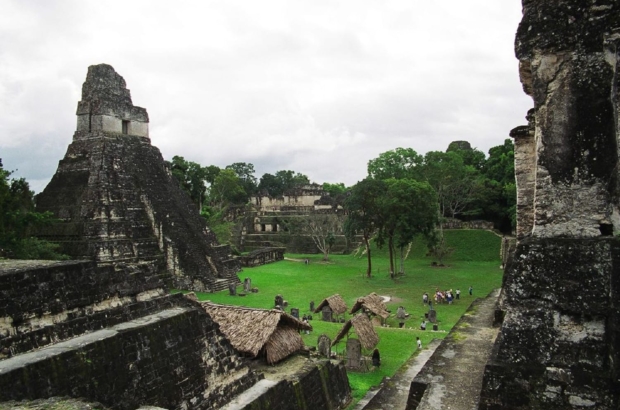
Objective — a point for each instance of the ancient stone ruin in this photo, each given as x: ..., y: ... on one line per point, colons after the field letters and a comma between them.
x: 559, y: 345
x: 117, y: 201
x: 110, y: 334
x: 105, y: 329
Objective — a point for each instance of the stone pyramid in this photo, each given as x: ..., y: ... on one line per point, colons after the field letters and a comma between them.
x: 117, y: 201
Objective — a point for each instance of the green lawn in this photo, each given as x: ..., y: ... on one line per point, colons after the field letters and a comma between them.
x: 474, y: 262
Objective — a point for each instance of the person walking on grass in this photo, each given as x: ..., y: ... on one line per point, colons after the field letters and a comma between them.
x: 471, y: 290
x: 419, y: 342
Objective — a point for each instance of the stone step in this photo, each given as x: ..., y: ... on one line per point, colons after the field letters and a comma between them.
x: 66, y: 325
x: 80, y: 342
x: 250, y: 395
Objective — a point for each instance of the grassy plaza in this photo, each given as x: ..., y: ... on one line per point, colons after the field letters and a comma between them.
x: 475, y: 262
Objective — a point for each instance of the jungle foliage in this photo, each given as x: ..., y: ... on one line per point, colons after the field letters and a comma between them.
x: 18, y: 220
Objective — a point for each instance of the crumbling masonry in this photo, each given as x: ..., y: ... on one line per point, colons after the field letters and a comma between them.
x: 559, y: 345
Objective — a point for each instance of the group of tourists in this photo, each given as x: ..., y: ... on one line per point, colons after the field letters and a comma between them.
x: 444, y: 296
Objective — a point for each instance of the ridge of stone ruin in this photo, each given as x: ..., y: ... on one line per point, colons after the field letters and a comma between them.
x: 117, y: 201
x: 559, y: 344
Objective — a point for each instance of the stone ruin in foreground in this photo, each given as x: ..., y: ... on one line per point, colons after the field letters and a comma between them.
x: 105, y: 328
x: 559, y: 345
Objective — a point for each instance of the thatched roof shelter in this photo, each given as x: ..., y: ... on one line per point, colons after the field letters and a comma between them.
x: 271, y: 332
x: 364, y: 330
x: 336, y: 304
x: 372, y: 303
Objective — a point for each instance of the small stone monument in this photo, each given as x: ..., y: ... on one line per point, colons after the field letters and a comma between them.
x: 432, y: 316
x: 295, y: 312
x: 247, y: 285
x: 279, y: 301
x: 232, y: 289
x: 354, y: 354
x: 324, y: 345
x: 327, y: 314
x: 401, y: 314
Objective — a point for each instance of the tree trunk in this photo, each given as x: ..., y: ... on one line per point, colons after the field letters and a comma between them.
x: 369, y: 270
x: 402, y: 260
x: 391, y: 248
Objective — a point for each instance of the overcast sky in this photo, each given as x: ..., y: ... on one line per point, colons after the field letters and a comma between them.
x: 317, y: 86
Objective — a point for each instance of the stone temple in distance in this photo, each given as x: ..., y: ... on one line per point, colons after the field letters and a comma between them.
x: 117, y: 201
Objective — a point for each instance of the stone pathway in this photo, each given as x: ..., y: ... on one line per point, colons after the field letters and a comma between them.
x: 447, y: 375
x: 452, y: 378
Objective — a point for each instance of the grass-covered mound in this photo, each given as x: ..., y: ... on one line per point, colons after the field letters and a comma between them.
x: 474, y: 262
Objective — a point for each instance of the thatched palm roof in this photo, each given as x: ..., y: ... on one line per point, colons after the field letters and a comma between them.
x: 364, y: 330
x: 372, y: 303
x: 335, y: 302
x: 283, y: 342
x: 250, y: 330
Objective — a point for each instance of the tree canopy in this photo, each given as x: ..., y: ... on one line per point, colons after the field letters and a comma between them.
x: 284, y: 182
x: 364, y: 213
x: 408, y: 208
x: 398, y: 163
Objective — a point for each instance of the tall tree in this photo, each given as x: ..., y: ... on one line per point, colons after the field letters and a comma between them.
x: 334, y: 190
x: 453, y: 181
x: 322, y: 228
x: 191, y: 177
x: 227, y: 189
x: 270, y: 186
x: 245, y: 172
x: 471, y: 156
x: 211, y: 172
x: 363, y: 213
x: 398, y: 163
x: 284, y: 182
x: 336, y: 195
x: 500, y: 166
x: 408, y: 208
x: 495, y: 200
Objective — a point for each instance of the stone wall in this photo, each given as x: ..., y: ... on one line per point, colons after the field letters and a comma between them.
x: 451, y: 223
x: 304, y: 197
x: 176, y: 358
x: 262, y: 256
x: 525, y: 175
x: 318, y: 386
x: 568, y: 64
x: 47, y: 303
x: 559, y: 342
